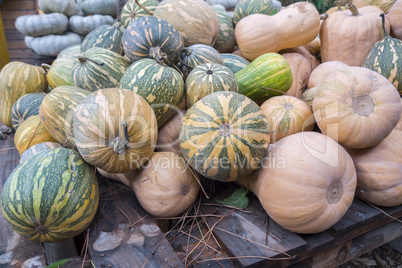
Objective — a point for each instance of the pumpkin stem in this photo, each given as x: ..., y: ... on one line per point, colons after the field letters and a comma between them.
x: 119, y: 144
x: 186, y: 52
x: 45, y: 67
x: 353, y: 9
x: 323, y: 16
x: 144, y: 8
x: 157, y: 54
x: 84, y: 59
x: 383, y: 25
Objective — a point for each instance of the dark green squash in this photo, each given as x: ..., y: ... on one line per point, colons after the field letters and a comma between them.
x: 132, y: 11
x: 25, y: 107
x: 234, y: 62
x: 247, y: 7
x: 105, y: 36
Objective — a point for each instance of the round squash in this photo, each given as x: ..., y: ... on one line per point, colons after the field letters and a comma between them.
x: 38, y: 25
x: 234, y: 62
x: 52, y: 45
x: 83, y: 25
x: 103, y: 7
x: 322, y: 72
x: 168, y: 134
x: 26, y: 107
x: 59, y: 73
x: 395, y: 19
x: 356, y: 107
x: 384, y: 5
x: 38, y: 148
x: 245, y: 8
x: 66, y: 7
x: 132, y: 11
x: 225, y: 41
x: 399, y: 125
x: 301, y: 70
x: 105, y: 36
x: 71, y: 51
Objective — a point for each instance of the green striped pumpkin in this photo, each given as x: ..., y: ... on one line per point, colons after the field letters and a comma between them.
x: 104, y: 36
x: 234, y: 62
x: 208, y: 78
x: 99, y: 68
x: 385, y: 58
x: 52, y: 197
x: 59, y: 73
x: 224, y: 136
x: 16, y: 80
x: 38, y: 148
x: 115, y: 130
x: 226, y: 41
x: 71, y: 51
x: 132, y: 11
x: 160, y: 85
x: 25, y: 107
x: 265, y: 77
x: 248, y: 7
x: 57, y: 112
x: 151, y: 37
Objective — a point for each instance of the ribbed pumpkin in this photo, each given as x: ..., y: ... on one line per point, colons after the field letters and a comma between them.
x: 57, y: 112
x: 247, y: 7
x: 71, y: 51
x: 265, y: 77
x: 115, y: 129
x: 224, y: 136
x: 234, y: 62
x: 104, y: 36
x: 301, y: 69
x: 160, y: 85
x: 385, y: 5
x: 287, y: 115
x: 59, y: 73
x: 395, y: 19
x: 226, y: 41
x: 151, y: 37
x: 38, y: 148
x: 52, y: 197
x: 385, y: 58
x: 322, y: 71
x: 208, y: 78
x: 99, y: 68
x: 16, y: 80
x: 194, y: 19
x: 32, y: 131
x: 26, y: 107
x: 168, y: 134
x: 132, y: 11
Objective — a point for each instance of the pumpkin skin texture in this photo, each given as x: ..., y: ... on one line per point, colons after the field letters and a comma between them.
x: 52, y: 197
x: 234, y: 62
x: 104, y: 36
x: 287, y: 115
x: 52, y: 45
x: 38, y: 25
x: 395, y: 19
x: 301, y: 70
x: 224, y: 136
x: 247, y: 7
x: 308, y: 95
x: 16, y: 80
x: 296, y: 25
x: 26, y: 107
x: 196, y: 21
x: 346, y: 31
x: 132, y: 11
x: 225, y: 41
x: 322, y: 71
x: 399, y: 125
x: 384, y: 5
x: 71, y: 51
x: 103, y: 7
x: 328, y: 175
x: 59, y: 73
x: 168, y: 134
x: 38, y: 148
x: 379, y: 171
x: 84, y: 25
x: 115, y: 129
x: 66, y: 7
x: 356, y: 107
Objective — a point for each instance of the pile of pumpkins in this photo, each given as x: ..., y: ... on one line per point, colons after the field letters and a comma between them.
x: 63, y: 23
x: 303, y: 111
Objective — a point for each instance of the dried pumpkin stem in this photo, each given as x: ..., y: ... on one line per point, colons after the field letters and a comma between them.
x: 157, y: 54
x: 383, y: 25
x: 119, y: 144
x: 45, y: 67
x: 323, y: 16
x: 84, y: 59
x: 353, y: 9
x: 144, y: 8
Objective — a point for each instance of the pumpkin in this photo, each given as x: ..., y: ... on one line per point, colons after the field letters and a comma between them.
x: 38, y: 25
x: 247, y: 7
x: 314, y: 46
x: 354, y: 30
x: 168, y: 134
x: 66, y: 7
x: 227, y: 4
x: 104, y: 36
x: 208, y: 78
x: 308, y: 95
x: 26, y: 107
x: 59, y: 73
x: 379, y: 171
x: 52, y: 197
x: 322, y: 72
x: 385, y: 58
x: 165, y: 42
x: 70, y: 51
x: 160, y: 85
x: 83, y: 25
x: 16, y: 80
x: 234, y: 62
x: 395, y: 19
x: 399, y: 125
x: 305, y: 53
x: 356, y: 107
x: 57, y: 111
x: 296, y: 25
x: 287, y: 115
x: 195, y: 20
x: 301, y: 70
x: 52, y: 45
x: 99, y: 68
x: 32, y: 131
x: 224, y: 136
x: 384, y: 5
x: 316, y: 194
x: 225, y: 41
x: 103, y: 7
x: 38, y: 148
x: 115, y: 130
x: 266, y: 76
x: 132, y: 11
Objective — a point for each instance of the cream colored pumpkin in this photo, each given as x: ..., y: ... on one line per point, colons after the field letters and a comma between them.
x: 322, y: 71
x: 168, y: 134
x: 301, y: 70
x: 399, y: 125
x: 395, y: 19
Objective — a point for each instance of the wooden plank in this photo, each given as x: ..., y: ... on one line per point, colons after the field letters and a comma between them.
x: 19, y: 5
x: 123, y: 233
x: 13, y: 35
x: 9, y: 25
x: 16, y: 54
x: 60, y: 250
x: 14, y: 14
x: 17, y: 44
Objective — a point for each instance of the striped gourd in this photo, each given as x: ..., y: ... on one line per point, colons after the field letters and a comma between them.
x: 16, y: 80
x: 105, y: 36
x: 234, y: 62
x: 132, y: 11
x: 208, y: 78
x: 38, y: 148
x: 32, y: 131
x: 264, y: 77
x: 151, y: 37
x: 224, y: 136
x: 385, y: 57
x: 160, y: 85
x: 99, y: 68
x: 194, y: 19
x: 247, y: 7
x: 26, y: 107
x: 71, y: 51
x: 59, y: 73
x: 115, y: 130
x: 226, y: 41
x: 52, y: 197
x: 57, y: 112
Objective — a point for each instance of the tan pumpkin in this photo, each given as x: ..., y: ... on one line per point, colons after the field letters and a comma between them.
x: 301, y: 70
x: 395, y: 19
x: 295, y: 25
x: 306, y: 182
x: 287, y: 115
x: 314, y: 46
x: 349, y: 35
x: 322, y: 71
x: 399, y: 125
x: 384, y: 5
x: 305, y: 53
x: 168, y: 134
x: 379, y: 171
x: 356, y: 107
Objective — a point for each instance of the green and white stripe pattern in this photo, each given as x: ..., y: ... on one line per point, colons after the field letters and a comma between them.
x: 38, y: 148
x: 51, y: 197
x: 104, y: 36
x: 71, y: 51
x: 25, y: 107
x: 59, y: 73
x: 226, y: 41
x: 132, y: 11
x: 234, y: 62
x: 248, y: 7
